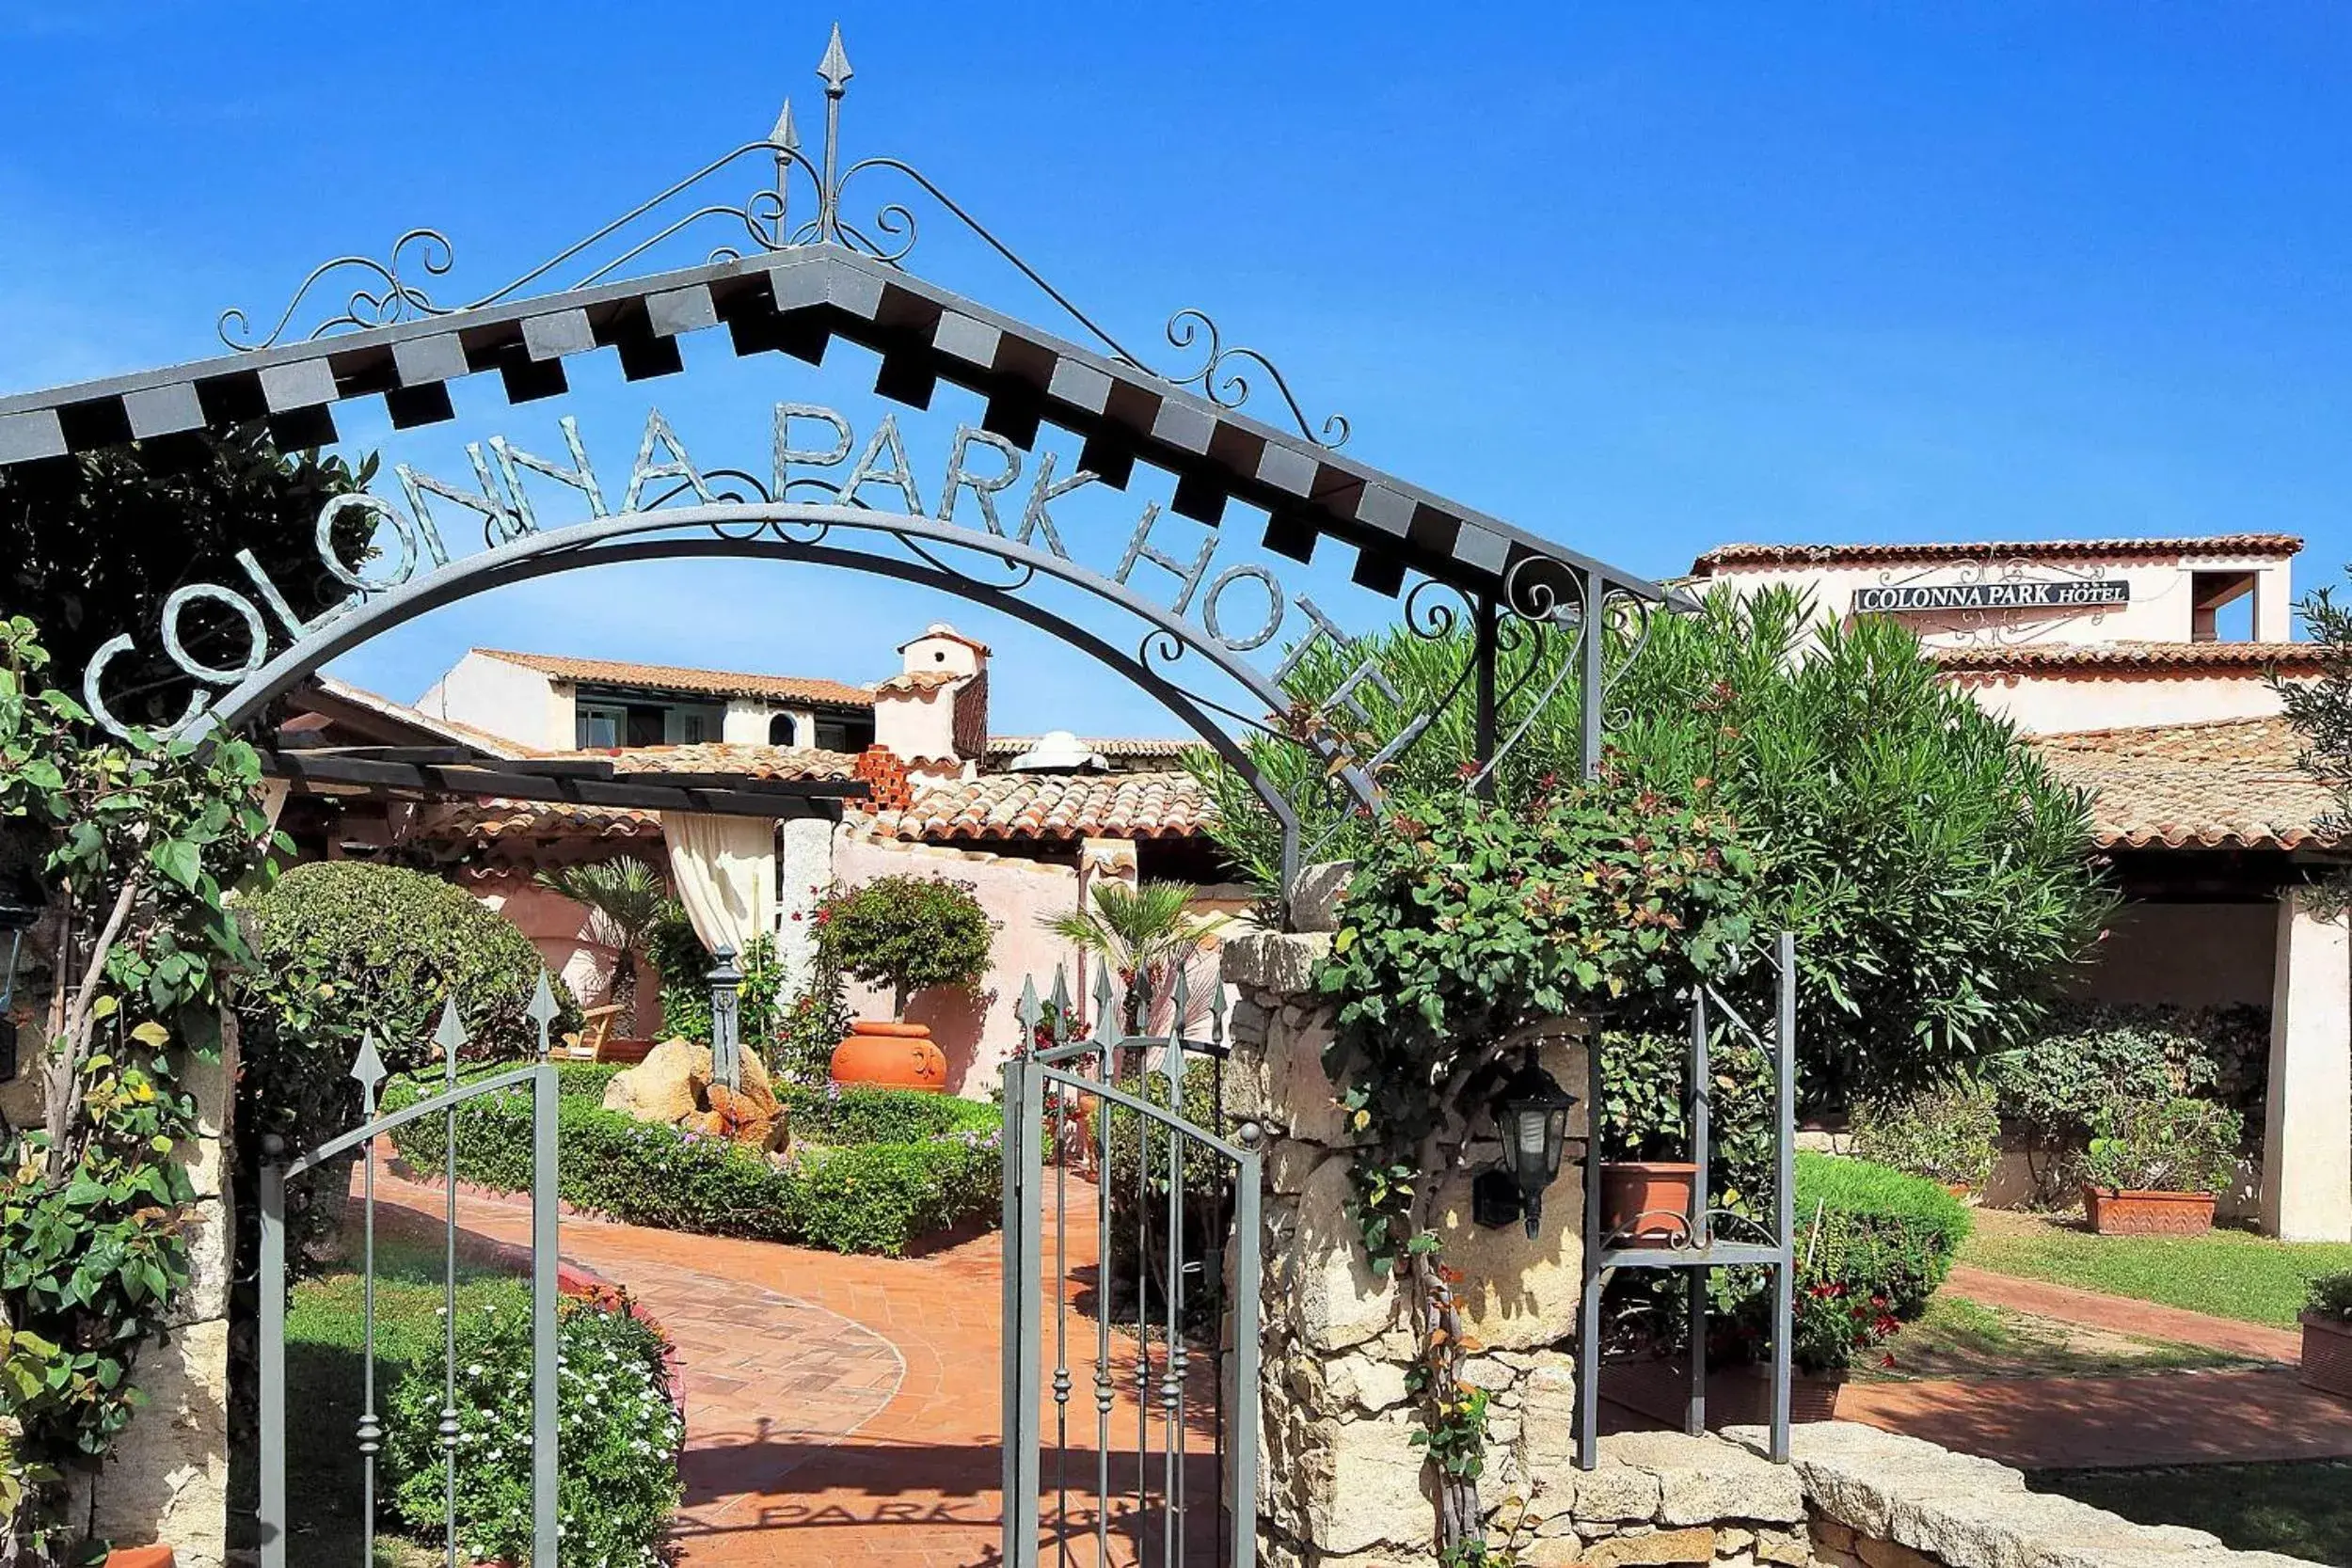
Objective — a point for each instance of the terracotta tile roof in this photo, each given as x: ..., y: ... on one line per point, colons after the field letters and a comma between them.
x: 2250, y: 657
x: 800, y: 763
x: 1114, y: 749
x: 2037, y: 549
x: 921, y: 680
x: 2229, y: 784
x: 678, y: 678
x: 1034, y: 806
x: 486, y: 822
x: 400, y: 713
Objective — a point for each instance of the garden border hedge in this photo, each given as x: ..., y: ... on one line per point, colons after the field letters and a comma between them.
x: 871, y: 1193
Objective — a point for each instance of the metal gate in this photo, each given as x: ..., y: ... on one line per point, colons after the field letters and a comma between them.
x: 1116, y: 1146
x: 360, y: 1143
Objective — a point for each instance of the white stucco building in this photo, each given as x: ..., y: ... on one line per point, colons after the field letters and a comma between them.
x: 2142, y: 669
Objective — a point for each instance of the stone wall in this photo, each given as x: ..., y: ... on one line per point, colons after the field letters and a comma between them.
x: 1340, y: 1483
x: 1340, y: 1477
x: 167, y: 1479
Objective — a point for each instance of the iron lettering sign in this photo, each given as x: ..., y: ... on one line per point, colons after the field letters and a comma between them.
x: 1241, y: 609
x: 2064, y: 594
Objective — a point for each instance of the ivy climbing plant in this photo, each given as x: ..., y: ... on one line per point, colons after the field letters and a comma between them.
x: 138, y: 843
x: 1470, y: 932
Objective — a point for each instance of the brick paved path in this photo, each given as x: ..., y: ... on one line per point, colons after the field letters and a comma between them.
x: 846, y: 1410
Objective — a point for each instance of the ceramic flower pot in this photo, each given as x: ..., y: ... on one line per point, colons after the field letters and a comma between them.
x: 2328, y: 1355
x: 1646, y: 1203
x: 890, y: 1055
x: 2127, y: 1213
x: 139, y: 1556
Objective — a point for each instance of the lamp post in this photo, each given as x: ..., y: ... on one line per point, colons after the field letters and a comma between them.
x: 1531, y: 1112
x: 726, y: 1057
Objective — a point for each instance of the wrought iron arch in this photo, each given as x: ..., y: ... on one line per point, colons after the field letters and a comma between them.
x: 1167, y: 638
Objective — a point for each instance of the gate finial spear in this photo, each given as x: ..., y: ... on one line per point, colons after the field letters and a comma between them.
x: 543, y: 1010
x: 787, y: 137
x: 449, y: 1035
x: 369, y: 1071
x: 835, y: 66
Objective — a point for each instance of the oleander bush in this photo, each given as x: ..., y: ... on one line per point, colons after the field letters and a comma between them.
x: 870, y: 1178
x: 619, y: 1427
x: 2164, y: 1145
x: 1947, y: 1136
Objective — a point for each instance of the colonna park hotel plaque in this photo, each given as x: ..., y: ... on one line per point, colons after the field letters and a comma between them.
x: 2064, y: 594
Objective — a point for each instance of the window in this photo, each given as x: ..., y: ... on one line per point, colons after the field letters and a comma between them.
x: 844, y: 734
x: 690, y: 729
x: 780, y: 730
x: 600, y: 727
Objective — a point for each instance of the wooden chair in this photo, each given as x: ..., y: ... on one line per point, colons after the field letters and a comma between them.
x: 588, y: 1044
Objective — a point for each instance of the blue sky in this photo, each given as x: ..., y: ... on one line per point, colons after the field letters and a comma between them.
x: 1642, y: 280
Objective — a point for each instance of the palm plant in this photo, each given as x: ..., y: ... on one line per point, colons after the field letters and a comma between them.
x: 1143, y: 933
x: 627, y: 899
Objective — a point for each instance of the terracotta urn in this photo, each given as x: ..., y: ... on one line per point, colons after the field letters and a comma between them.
x: 2136, y: 1213
x: 890, y: 1055
x: 1646, y: 1203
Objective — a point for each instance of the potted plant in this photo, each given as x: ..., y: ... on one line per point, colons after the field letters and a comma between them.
x: 909, y: 934
x: 1944, y: 1135
x: 2327, y: 1335
x: 1645, y: 1186
x: 2153, y: 1168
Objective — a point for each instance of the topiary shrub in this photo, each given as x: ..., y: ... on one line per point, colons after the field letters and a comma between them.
x: 1873, y: 1246
x: 618, y: 1423
x: 909, y: 933
x: 348, y: 948
x: 1947, y: 1135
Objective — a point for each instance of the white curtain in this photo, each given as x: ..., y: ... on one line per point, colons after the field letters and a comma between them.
x: 725, y: 870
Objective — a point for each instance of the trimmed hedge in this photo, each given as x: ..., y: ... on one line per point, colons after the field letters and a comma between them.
x: 862, y: 1194
x: 1873, y: 1246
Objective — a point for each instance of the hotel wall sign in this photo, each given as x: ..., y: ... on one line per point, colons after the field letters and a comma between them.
x: 2066, y: 594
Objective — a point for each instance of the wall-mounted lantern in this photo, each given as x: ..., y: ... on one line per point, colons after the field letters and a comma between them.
x: 1531, y: 1112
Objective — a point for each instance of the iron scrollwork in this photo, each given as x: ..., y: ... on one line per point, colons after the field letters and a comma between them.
x: 390, y: 292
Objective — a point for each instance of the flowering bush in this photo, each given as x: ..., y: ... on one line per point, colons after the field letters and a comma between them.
x: 618, y: 1425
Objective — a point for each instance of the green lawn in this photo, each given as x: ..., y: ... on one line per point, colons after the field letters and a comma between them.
x: 1964, y: 1338
x: 322, y: 1388
x: 2228, y: 1273
x: 2302, y: 1509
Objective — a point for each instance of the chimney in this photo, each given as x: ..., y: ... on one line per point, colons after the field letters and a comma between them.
x: 934, y: 714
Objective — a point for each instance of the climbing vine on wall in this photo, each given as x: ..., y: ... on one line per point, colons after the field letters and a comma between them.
x: 1468, y: 933
x: 136, y: 845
